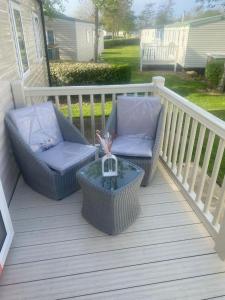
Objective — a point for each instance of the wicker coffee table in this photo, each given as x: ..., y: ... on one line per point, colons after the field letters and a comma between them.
x: 110, y: 203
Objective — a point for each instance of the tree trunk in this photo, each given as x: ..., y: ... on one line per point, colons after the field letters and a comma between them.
x: 221, y: 86
x: 96, y: 34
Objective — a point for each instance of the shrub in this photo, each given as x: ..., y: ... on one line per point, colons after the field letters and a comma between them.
x: 69, y: 73
x: 214, y: 72
x: 120, y: 42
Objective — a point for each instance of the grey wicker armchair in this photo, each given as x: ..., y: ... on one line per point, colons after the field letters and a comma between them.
x: 49, y: 150
x: 136, y: 125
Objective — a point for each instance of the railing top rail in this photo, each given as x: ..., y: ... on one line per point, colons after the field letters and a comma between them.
x: 207, y: 119
x: 158, y: 46
x: 87, y: 90
x: 210, y: 121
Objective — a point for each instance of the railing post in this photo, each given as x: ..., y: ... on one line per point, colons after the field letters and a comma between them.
x: 18, y: 93
x: 158, y: 81
x: 220, y: 241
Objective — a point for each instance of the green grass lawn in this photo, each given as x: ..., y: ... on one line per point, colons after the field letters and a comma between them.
x: 193, y: 89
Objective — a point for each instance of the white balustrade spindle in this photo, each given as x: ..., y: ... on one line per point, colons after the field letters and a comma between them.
x: 81, y: 114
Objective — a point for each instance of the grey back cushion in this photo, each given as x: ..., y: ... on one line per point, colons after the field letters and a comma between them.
x: 138, y: 115
x: 38, y: 126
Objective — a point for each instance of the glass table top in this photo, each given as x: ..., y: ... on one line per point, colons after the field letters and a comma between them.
x: 127, y: 172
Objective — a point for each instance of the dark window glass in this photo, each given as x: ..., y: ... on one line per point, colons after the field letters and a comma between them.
x: 51, y: 40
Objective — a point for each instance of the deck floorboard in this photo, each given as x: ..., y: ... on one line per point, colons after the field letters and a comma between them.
x: 56, y: 254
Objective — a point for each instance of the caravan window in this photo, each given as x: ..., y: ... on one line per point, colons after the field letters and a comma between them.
x: 50, y: 37
x: 19, y: 38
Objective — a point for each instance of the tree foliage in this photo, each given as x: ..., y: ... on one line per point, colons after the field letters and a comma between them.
x: 117, y: 15
x: 53, y: 7
x: 85, y: 11
x: 147, y: 16
x: 165, y: 13
x: 106, y: 4
x: 212, y: 3
x: 153, y: 15
x: 200, y: 12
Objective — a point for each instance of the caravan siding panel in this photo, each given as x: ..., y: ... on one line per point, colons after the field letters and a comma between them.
x: 64, y: 35
x: 85, y: 41
x: 202, y: 40
x: 74, y: 38
x: 9, y: 72
x: 101, y: 42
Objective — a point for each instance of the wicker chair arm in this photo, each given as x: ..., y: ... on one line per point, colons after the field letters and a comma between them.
x: 111, y: 125
x: 158, y: 141
x: 25, y: 157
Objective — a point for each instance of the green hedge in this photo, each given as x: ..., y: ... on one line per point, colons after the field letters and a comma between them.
x: 69, y: 73
x: 120, y: 42
x: 214, y: 72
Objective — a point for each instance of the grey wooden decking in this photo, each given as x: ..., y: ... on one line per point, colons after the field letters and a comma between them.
x: 166, y: 254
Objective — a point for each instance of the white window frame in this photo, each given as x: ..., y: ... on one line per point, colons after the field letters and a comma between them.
x: 8, y: 226
x: 37, y: 37
x: 13, y: 5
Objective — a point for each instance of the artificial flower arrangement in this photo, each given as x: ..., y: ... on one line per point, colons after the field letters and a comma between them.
x: 109, y: 161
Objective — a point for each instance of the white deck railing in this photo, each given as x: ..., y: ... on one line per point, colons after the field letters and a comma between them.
x: 193, y: 140
x: 79, y: 96
x: 158, y: 55
x: 190, y: 137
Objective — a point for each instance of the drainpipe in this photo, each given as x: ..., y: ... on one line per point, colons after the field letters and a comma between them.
x: 45, y: 43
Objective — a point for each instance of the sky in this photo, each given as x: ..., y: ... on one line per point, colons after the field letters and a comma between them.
x: 180, y: 7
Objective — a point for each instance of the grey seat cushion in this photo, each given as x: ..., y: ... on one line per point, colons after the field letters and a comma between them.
x: 65, y: 155
x: 37, y: 125
x: 133, y: 145
x: 137, y: 115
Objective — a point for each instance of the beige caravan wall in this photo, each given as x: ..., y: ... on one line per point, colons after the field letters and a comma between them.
x: 85, y: 40
x: 74, y: 38
x: 37, y: 76
x: 64, y: 34
x: 202, y: 40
